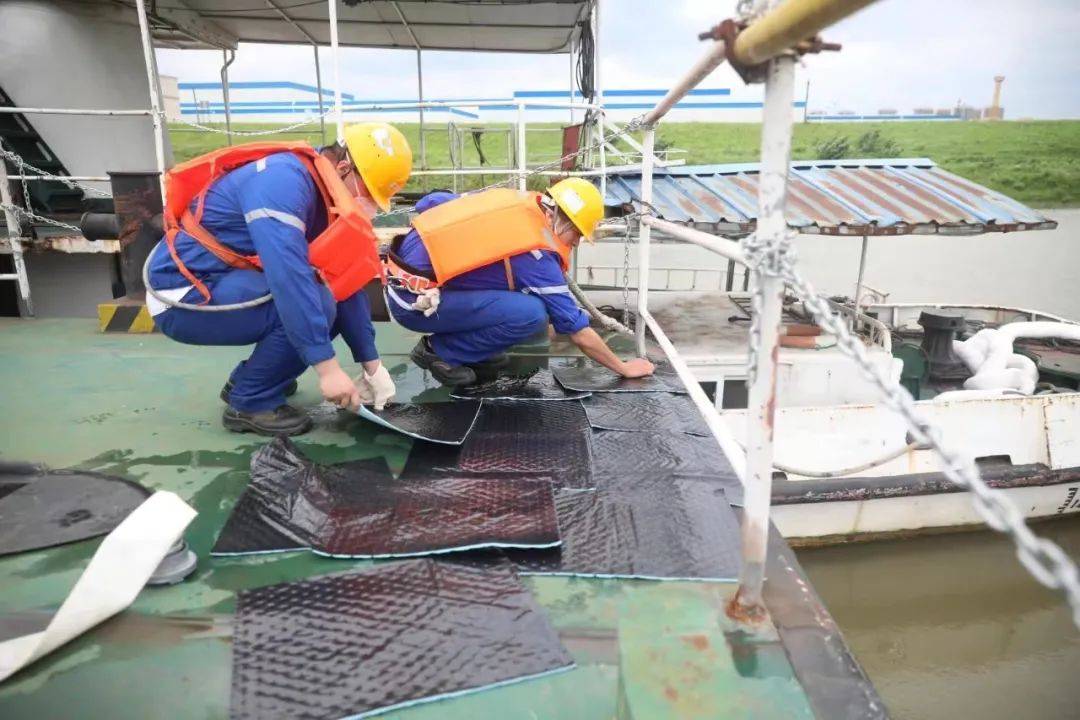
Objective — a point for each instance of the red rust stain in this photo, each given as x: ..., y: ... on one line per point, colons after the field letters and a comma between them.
x: 698, y: 642
x: 671, y: 693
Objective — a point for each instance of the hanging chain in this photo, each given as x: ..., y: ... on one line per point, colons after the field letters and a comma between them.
x: 626, y: 275
x: 21, y: 166
x: 1046, y: 562
x: 257, y: 133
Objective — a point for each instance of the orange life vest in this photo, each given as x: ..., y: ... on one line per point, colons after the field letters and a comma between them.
x: 475, y: 230
x: 345, y: 254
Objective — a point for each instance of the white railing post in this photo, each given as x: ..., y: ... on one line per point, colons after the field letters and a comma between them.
x: 155, y: 99
x: 778, y: 117
x: 644, y: 233
x: 339, y: 116
x: 14, y: 232
x: 521, y: 150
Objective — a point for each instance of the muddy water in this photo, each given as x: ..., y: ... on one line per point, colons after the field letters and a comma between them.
x: 951, y: 626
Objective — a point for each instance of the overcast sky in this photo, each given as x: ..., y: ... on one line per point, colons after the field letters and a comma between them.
x: 898, y: 54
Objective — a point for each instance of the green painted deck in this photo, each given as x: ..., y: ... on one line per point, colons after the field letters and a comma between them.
x: 146, y: 408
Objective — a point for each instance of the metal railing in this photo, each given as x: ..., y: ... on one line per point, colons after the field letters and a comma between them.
x: 770, y: 41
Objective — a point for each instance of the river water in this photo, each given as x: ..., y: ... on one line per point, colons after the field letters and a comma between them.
x: 951, y: 626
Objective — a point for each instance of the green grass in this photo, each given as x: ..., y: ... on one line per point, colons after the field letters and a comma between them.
x: 1035, y: 162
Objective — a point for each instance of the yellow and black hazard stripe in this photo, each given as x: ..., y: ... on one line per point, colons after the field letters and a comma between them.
x: 123, y: 317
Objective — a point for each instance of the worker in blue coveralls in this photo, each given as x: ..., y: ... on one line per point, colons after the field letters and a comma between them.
x: 482, y: 272
x: 291, y: 225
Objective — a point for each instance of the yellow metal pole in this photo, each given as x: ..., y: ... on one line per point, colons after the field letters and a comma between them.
x: 790, y: 23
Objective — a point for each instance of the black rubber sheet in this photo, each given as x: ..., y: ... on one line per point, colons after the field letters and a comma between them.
x: 645, y: 412
x: 535, y: 438
x: 447, y: 423
x: 596, y: 379
x: 360, y: 643
x: 41, y: 508
x: 359, y: 510
x: 674, y: 530
x: 536, y: 385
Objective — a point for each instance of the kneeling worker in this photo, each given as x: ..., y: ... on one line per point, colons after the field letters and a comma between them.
x: 482, y: 272
x: 287, y: 222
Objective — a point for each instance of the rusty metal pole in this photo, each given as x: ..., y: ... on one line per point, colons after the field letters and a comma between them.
x: 789, y: 23
x: 778, y: 118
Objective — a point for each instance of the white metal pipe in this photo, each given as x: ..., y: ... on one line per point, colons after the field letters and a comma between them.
x: 644, y: 233
x: 69, y: 111
x: 709, y: 62
x: 228, y: 60
x: 778, y: 117
x: 717, y: 426
x: 859, y: 283
x: 522, y: 164
x: 56, y: 178
x: 318, y: 87
x: 155, y: 99
x: 339, y: 116
x: 726, y: 248
x: 14, y: 241
x: 599, y: 86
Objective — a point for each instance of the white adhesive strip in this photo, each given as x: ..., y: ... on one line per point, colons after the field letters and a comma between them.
x: 124, y: 561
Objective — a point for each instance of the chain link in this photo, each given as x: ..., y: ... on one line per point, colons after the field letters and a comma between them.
x: 28, y: 213
x: 626, y: 275
x: 1046, y: 562
x: 21, y: 166
x: 256, y: 133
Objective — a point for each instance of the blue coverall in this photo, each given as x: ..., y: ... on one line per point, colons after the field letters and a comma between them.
x: 478, y: 315
x: 270, y: 207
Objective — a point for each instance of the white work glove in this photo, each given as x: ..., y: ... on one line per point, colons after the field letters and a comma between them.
x: 428, y: 301
x: 377, y: 388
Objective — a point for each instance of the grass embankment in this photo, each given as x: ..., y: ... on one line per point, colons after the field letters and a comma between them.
x: 1035, y: 162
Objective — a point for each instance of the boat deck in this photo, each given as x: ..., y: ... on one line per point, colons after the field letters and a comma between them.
x: 146, y: 408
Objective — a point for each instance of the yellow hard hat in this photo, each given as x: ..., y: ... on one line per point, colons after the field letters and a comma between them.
x: 382, y: 156
x: 581, y: 201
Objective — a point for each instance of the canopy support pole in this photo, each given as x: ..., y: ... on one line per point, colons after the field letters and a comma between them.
x: 228, y: 56
x: 155, y: 97
x: 335, y: 61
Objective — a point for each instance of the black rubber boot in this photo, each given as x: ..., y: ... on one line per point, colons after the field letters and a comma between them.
x: 444, y: 372
x: 290, y: 390
x: 283, y: 420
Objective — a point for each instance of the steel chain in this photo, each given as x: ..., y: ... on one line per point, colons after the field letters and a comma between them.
x: 626, y: 275
x: 256, y: 133
x: 1046, y: 562
x: 21, y: 166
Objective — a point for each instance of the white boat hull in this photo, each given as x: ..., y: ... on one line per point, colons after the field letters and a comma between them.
x: 837, y: 521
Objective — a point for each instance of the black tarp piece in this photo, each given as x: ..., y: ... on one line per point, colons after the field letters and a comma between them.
x: 41, y: 508
x: 675, y: 530
x: 660, y: 454
x: 359, y: 510
x: 645, y: 412
x: 360, y: 643
x: 534, y: 438
x: 537, y: 385
x: 447, y: 423
x: 597, y: 379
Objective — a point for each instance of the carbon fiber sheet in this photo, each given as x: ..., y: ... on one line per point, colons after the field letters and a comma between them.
x: 359, y: 643
x: 595, y: 379
x: 447, y: 423
x: 359, y: 510
x: 645, y: 412
x: 524, y: 438
x: 538, y: 385
x: 674, y: 530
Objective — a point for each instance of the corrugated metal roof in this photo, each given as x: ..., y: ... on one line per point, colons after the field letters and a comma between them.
x: 833, y: 197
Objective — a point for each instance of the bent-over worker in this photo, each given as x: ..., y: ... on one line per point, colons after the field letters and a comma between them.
x: 293, y: 222
x: 482, y: 272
